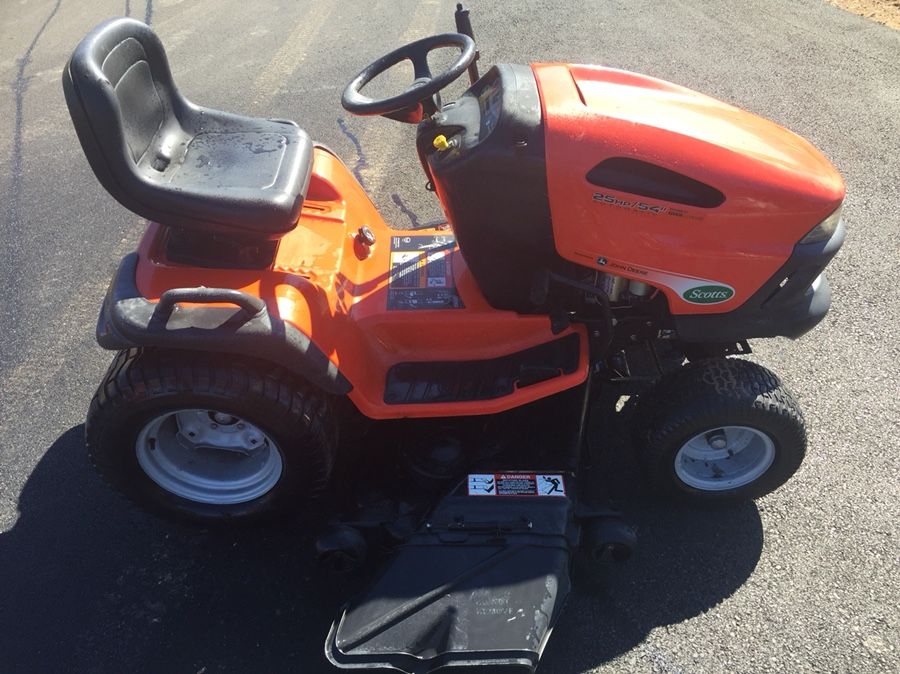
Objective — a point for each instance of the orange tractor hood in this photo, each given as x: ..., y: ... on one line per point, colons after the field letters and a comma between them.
x: 685, y: 130
x: 776, y: 185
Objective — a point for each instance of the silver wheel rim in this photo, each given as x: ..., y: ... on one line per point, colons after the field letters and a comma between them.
x: 727, y: 457
x: 208, y: 456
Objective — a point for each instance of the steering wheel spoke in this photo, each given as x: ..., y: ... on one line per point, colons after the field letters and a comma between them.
x: 421, y: 71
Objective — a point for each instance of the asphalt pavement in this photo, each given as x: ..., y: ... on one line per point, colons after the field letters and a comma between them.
x: 806, y: 579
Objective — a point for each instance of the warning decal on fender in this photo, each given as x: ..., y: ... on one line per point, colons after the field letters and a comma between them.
x: 516, y: 484
x: 421, y: 274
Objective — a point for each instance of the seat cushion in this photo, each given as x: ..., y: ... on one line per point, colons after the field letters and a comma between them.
x: 250, y: 178
x: 232, y: 160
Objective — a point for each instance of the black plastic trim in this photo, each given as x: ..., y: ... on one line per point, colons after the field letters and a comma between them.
x: 492, y: 184
x: 218, y: 251
x: 635, y: 176
x: 461, y: 381
x: 789, y: 304
x: 128, y: 319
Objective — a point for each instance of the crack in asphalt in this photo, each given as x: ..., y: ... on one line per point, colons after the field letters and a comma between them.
x: 148, y: 11
x: 14, y: 193
x: 413, y: 217
x: 406, y: 210
x: 361, y: 161
x: 19, y: 87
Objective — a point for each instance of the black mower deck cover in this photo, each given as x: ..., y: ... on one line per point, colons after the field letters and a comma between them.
x: 481, y: 583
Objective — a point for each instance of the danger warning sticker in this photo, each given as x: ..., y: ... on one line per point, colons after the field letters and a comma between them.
x: 421, y: 275
x: 516, y: 484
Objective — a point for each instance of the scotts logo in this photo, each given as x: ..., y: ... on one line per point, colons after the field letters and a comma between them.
x: 711, y: 294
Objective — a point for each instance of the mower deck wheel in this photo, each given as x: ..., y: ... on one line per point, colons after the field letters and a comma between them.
x: 605, y: 542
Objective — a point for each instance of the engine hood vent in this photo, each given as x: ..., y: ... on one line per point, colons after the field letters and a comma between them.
x: 654, y: 182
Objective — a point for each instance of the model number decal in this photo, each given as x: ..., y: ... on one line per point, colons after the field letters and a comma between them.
x: 642, y: 206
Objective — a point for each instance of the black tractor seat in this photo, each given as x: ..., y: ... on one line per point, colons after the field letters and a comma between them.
x: 171, y: 161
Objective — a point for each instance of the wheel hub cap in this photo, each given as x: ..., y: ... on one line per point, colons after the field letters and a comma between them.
x: 724, y: 458
x: 208, y: 456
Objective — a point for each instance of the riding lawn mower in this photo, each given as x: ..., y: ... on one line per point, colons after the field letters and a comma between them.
x: 422, y: 396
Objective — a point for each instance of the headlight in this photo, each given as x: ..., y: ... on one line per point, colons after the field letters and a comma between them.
x: 824, y: 230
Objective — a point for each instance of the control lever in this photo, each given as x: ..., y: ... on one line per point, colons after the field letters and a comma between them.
x: 464, y: 26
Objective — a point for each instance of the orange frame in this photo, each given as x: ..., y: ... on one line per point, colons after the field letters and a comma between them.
x: 335, y: 290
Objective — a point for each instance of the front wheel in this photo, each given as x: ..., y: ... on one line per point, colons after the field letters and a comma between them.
x: 210, y: 437
x: 719, y: 430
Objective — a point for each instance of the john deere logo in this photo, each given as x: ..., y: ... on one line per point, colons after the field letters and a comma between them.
x: 712, y: 294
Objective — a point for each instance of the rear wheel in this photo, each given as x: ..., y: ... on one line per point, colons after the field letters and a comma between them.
x: 210, y: 437
x: 719, y: 430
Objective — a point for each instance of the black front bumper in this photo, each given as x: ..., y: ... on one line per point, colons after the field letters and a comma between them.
x: 789, y: 304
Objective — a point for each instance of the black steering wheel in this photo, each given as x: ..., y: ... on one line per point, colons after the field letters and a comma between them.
x: 408, y: 106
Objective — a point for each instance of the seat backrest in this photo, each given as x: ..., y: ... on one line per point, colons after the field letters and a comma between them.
x: 135, y: 93
x: 122, y: 99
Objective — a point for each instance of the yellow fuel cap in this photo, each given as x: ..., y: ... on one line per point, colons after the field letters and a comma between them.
x: 440, y: 142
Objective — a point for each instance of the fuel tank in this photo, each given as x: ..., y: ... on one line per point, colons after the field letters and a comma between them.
x: 655, y: 182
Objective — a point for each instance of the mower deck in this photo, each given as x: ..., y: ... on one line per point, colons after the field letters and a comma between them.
x: 480, y: 583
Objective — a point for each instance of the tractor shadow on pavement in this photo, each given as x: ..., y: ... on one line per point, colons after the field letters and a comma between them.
x: 688, y: 560
x: 89, y: 583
